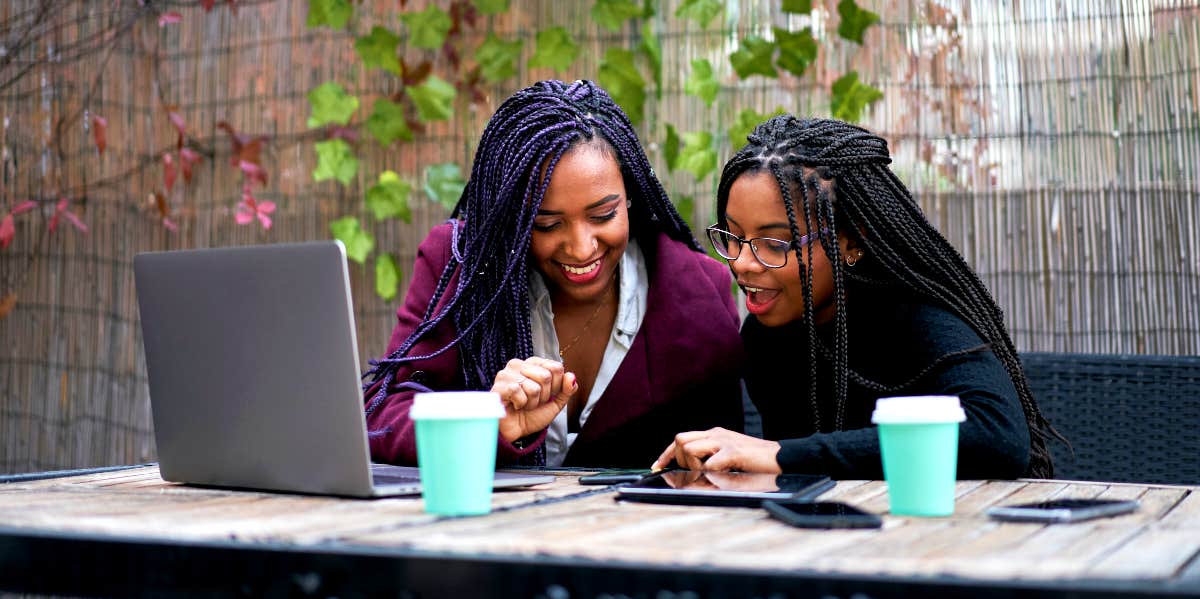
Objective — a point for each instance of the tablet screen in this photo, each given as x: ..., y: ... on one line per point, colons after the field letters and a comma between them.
x: 724, y: 488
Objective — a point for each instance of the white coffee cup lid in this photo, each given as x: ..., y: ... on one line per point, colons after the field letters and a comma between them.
x: 456, y: 404
x: 918, y: 410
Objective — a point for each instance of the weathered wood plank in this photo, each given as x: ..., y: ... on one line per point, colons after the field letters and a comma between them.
x: 1155, y: 553
x: 1185, y: 514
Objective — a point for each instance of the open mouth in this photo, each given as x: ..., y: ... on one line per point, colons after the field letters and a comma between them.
x: 582, y: 273
x: 758, y: 299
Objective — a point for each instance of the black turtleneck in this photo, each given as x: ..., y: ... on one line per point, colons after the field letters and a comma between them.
x: 890, y: 343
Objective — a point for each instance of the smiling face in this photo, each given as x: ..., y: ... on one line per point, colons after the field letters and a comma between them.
x: 581, y: 230
x: 774, y: 295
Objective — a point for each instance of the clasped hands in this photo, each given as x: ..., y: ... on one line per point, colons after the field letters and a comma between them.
x: 533, y: 392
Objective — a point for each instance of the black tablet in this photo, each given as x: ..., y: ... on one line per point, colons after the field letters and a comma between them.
x: 736, y: 489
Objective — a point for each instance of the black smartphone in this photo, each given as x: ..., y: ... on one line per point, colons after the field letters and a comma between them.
x: 615, y: 477
x: 821, y: 514
x: 1063, y: 510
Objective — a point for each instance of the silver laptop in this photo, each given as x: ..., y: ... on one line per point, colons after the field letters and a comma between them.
x: 254, y: 374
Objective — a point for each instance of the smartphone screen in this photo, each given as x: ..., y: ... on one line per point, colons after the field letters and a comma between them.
x: 613, y: 477
x: 821, y: 514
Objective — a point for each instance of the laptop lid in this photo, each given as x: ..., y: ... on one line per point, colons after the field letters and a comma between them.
x: 253, y: 367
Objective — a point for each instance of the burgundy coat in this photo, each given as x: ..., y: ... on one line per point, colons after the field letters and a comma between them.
x: 681, y: 373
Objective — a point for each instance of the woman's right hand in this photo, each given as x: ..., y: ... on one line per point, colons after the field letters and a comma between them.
x: 533, y: 391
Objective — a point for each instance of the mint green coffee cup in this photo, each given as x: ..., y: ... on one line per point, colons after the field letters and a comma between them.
x: 918, y: 440
x: 456, y: 450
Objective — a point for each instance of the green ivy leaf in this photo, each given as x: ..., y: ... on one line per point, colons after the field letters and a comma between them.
x: 701, y: 83
x: 799, y: 7
x: 746, y: 121
x: 434, y: 99
x: 444, y: 184
x: 497, y: 58
x: 358, y: 242
x: 428, y: 28
x: 700, y: 11
x: 379, y: 49
x: 686, y: 206
x: 855, y: 20
x: 671, y: 148
x: 796, y: 50
x: 331, y: 104
x: 653, y: 51
x: 610, y: 14
x: 389, y: 197
x: 698, y: 155
x: 754, y: 58
x: 387, y: 122
x: 333, y: 13
x: 490, y: 7
x: 387, y: 277
x: 624, y: 83
x: 850, y: 97
x: 555, y: 49
x: 335, y: 160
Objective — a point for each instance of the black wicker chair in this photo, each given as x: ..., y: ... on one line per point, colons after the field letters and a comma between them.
x: 1129, y: 418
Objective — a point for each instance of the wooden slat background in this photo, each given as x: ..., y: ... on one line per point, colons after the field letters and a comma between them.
x: 1057, y: 146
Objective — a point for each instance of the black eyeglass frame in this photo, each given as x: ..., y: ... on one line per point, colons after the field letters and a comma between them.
x: 713, y: 229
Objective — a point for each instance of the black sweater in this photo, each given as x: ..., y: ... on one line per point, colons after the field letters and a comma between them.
x: 889, y: 343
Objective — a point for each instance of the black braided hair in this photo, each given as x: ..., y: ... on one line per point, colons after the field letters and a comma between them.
x: 841, y: 172
x: 527, y: 135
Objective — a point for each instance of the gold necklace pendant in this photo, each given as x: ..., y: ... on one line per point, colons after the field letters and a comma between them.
x: 562, y: 351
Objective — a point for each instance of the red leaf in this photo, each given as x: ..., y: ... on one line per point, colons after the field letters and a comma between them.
x: 415, y: 75
x: 168, y: 171
x: 58, y: 210
x: 7, y: 304
x: 177, y: 120
x: 250, y: 208
x: 100, y: 132
x: 188, y: 157
x: 208, y: 4
x: 25, y: 206
x: 61, y: 209
x: 160, y: 204
x: 244, y: 147
x: 253, y: 171
x: 7, y: 231
x: 180, y: 126
x: 168, y: 18
x: 74, y: 220
x: 461, y: 12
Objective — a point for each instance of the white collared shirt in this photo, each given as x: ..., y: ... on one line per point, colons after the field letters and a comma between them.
x: 631, y: 308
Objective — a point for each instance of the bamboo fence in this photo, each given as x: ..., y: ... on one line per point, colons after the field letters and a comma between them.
x: 1055, y: 145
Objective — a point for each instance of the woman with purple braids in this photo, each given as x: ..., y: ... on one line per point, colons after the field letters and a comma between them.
x: 566, y: 282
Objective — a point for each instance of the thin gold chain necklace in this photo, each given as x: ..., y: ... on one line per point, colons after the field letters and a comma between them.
x: 562, y: 351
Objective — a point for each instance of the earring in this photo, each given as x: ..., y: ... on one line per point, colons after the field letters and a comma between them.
x: 628, y: 203
x: 853, y: 259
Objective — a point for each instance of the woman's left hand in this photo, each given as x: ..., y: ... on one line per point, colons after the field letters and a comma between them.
x: 720, y: 449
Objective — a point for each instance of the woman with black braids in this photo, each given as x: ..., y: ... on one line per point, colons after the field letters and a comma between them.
x: 853, y: 295
x: 562, y: 282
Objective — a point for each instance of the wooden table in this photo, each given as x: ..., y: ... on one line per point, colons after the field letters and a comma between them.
x: 127, y: 531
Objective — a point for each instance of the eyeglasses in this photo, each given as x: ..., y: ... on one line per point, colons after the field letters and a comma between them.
x: 770, y: 252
